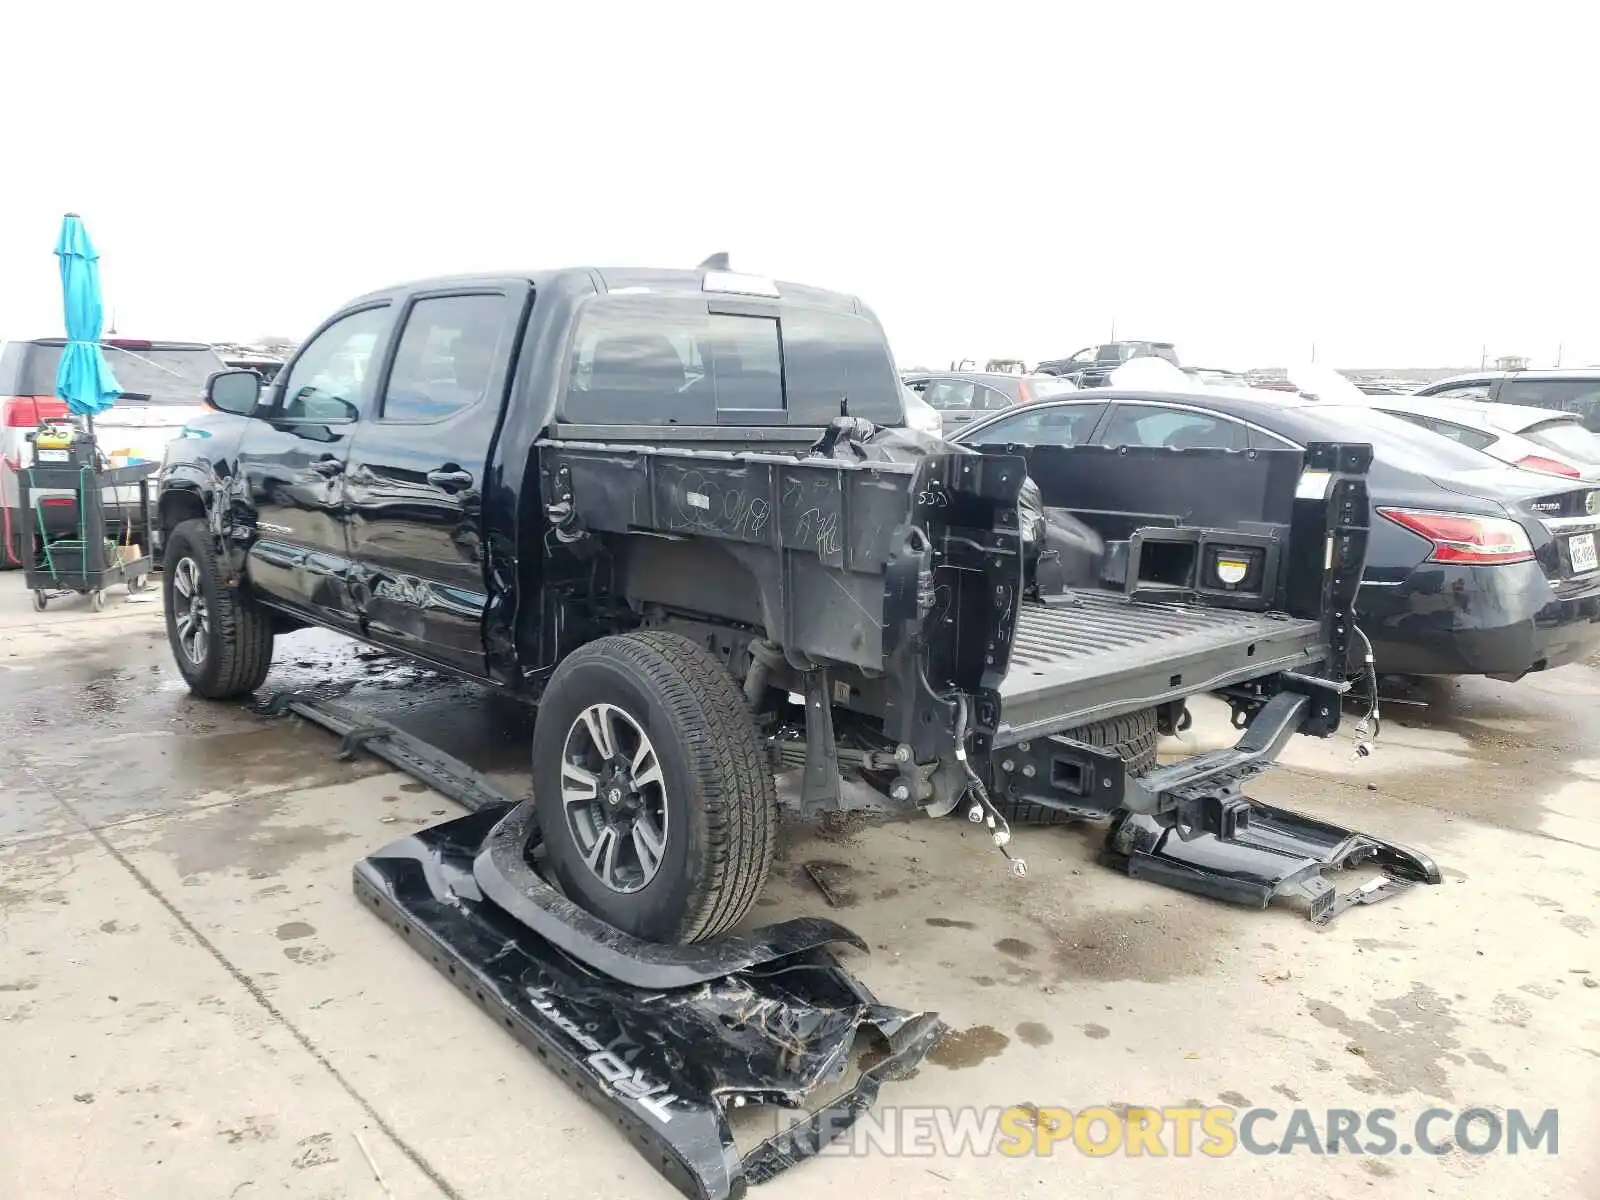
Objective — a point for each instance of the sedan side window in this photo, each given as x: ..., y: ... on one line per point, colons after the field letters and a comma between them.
x: 447, y: 354
x: 1039, y: 425
x: 1476, y: 439
x: 950, y: 394
x: 1179, y: 429
x: 990, y: 399
x: 329, y: 377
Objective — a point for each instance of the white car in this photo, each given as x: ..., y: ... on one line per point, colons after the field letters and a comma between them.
x: 1535, y: 439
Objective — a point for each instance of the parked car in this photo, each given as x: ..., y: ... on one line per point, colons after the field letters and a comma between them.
x: 1216, y: 377
x: 265, y: 365
x: 163, y: 384
x: 1473, y: 567
x: 1573, y: 390
x: 1534, y: 439
x: 518, y: 479
x: 959, y: 396
x: 1092, y: 366
x: 922, y: 416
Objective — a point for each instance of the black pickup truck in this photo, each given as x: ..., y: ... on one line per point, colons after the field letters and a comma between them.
x: 677, y: 510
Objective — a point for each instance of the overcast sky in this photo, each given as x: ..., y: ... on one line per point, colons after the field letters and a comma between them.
x: 1399, y: 184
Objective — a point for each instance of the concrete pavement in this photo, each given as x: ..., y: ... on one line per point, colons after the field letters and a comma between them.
x: 193, y: 1004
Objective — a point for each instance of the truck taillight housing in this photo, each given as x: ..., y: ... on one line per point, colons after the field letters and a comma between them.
x: 1549, y: 466
x: 1457, y: 538
x: 29, y: 412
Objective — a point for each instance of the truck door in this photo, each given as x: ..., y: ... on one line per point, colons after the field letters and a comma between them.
x: 291, y: 463
x: 413, y: 484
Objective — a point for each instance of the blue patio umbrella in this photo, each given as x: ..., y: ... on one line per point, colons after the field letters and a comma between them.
x: 84, y: 379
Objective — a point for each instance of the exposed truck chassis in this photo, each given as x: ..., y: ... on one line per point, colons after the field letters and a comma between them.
x: 665, y: 1039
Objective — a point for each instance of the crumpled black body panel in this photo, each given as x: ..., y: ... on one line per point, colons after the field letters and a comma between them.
x: 659, y: 1062
x: 1279, y: 854
x: 505, y: 877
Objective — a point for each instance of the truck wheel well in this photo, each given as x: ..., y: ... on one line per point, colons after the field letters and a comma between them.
x: 177, y: 507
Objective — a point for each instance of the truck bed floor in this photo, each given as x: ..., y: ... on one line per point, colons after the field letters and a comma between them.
x: 1095, y: 655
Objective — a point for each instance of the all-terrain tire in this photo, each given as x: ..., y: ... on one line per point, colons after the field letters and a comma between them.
x: 238, y: 643
x: 717, y: 787
x: 1134, y: 737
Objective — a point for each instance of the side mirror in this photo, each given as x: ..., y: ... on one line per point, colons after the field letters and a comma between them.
x: 236, y: 392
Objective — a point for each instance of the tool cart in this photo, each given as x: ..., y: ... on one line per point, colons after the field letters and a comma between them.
x: 82, y: 553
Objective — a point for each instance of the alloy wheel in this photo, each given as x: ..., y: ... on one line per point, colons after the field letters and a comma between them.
x: 615, y: 797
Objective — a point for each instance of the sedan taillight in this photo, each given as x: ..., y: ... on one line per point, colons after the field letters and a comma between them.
x: 1457, y: 538
x: 1547, y: 466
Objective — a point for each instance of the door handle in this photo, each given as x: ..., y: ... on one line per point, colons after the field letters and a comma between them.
x: 327, y: 467
x: 450, y: 479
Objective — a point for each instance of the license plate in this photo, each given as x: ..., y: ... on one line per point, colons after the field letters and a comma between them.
x: 51, y: 455
x: 1580, y: 550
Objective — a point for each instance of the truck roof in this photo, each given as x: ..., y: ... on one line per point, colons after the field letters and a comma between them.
x: 662, y: 281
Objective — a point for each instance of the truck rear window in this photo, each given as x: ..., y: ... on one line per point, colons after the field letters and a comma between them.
x: 154, y: 375
x: 667, y: 360
x: 648, y: 353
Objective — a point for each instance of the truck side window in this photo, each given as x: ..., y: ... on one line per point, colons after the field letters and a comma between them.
x: 446, y: 357
x: 328, y: 378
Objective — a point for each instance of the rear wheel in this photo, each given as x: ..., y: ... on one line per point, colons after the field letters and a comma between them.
x: 221, y: 640
x: 656, y: 801
x: 1134, y: 738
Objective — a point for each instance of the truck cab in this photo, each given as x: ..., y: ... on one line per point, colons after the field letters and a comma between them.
x: 1092, y: 366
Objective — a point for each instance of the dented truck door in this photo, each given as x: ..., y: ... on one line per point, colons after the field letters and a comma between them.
x: 415, y: 479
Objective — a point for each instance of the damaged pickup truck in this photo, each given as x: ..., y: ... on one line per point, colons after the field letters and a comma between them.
x: 678, y: 509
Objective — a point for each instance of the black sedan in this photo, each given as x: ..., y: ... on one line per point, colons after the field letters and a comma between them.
x: 1473, y: 567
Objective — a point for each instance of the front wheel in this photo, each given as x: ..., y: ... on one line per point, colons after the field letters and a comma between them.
x: 221, y: 641
x: 656, y: 802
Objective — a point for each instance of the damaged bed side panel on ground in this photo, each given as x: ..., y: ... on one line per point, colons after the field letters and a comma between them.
x: 662, y: 1063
